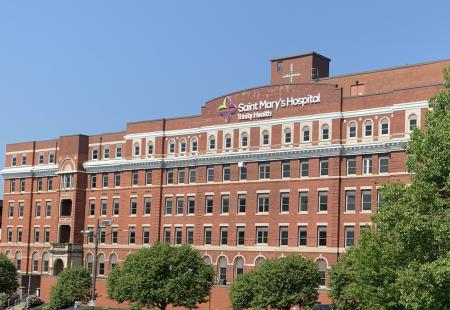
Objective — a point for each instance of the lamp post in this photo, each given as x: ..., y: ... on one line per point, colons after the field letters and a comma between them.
x: 96, y: 235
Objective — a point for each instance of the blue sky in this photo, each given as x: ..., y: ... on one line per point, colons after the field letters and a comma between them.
x: 88, y: 67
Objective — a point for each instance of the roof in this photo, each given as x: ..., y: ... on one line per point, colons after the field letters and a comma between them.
x: 300, y: 55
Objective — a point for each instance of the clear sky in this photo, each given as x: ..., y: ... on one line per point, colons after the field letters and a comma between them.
x: 88, y: 67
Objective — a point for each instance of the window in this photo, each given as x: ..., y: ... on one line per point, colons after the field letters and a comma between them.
x: 323, y: 167
x: 238, y: 267
x: 45, y: 263
x: 323, y: 201
x: 325, y: 132
x: 286, y: 169
x: 243, y: 172
x: 169, y: 176
x: 150, y: 148
x: 189, y: 235
x: 210, y: 174
x: 323, y: 272
x: 284, y: 202
x: 222, y: 265
x: 90, y: 238
x: 240, y: 235
x: 223, y: 235
x: 18, y: 260
x: 262, y: 235
x: 50, y: 183
x: 11, y: 210
x: 207, y: 235
x: 66, y: 181
x: 225, y: 206
x: 166, y: 234
x: 106, y: 152
x: 287, y: 136
x: 131, y: 235
x: 133, y: 206
x: 264, y: 171
x: 103, y: 207
x: 93, y: 181
x: 265, y: 137
x: 90, y: 263
x: 321, y: 235
x: 168, y: 206
x: 114, y: 235
x: 147, y: 205
x: 357, y: 89
x: 263, y: 203
x: 384, y: 127
x: 13, y: 160
x: 51, y: 157
x: 302, y: 235
x: 227, y: 141
x: 183, y: 146
x: 171, y: 146
x: 226, y: 172
x: 9, y: 234
x: 352, y: 130
x: 192, y: 175
x: 180, y: 176
x: 91, y: 207
x: 37, y: 234
x: 39, y: 184
x: 116, y: 206
x: 350, y: 200
x: 47, y: 234
x: 136, y: 149
x: 35, y: 262
x: 178, y: 235
x: 19, y: 234
x: 105, y: 180
x: 366, y: 198
x: 22, y: 185
x: 118, y: 151
x: 41, y: 158
x: 368, y: 128
x: 209, y: 201
x: 180, y: 205
x: 279, y: 66
x: 37, y: 209
x: 191, y: 205
x: 112, y: 261
x: 149, y: 177
x: 244, y: 139
x: 379, y: 197
x: 284, y: 235
x: 367, y: 164
x: 241, y: 203
x: 349, y: 232
x: 351, y: 165
x: 94, y: 153
x: 135, y: 178
x: 304, y: 168
x: 12, y: 186
x: 21, y: 209
x: 194, y: 145
x: 303, y: 202
x: 412, y: 122
x: 383, y: 164
x: 212, y: 142
x: 102, y: 236
x: 305, y: 134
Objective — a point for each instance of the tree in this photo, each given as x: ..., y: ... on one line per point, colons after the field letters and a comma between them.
x: 8, y: 275
x: 278, y: 284
x: 73, y: 284
x: 404, y: 263
x: 162, y: 275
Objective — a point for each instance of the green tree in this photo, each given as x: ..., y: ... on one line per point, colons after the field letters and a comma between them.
x: 162, y: 275
x: 8, y: 275
x: 73, y: 284
x: 404, y: 262
x: 278, y: 284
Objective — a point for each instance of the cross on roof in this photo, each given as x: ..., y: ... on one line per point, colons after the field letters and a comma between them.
x: 291, y: 74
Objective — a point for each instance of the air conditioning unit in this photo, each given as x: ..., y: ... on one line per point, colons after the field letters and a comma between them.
x: 241, y: 164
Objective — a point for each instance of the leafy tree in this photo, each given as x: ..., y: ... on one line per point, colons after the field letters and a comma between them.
x: 73, y: 284
x: 8, y: 275
x: 404, y: 263
x: 162, y: 275
x: 278, y: 284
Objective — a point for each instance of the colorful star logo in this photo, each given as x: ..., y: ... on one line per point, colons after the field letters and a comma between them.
x: 226, y: 109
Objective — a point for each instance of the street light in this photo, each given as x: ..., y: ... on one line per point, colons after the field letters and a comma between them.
x: 96, y: 235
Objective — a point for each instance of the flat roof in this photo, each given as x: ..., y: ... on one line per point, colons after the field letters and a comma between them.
x: 300, y: 55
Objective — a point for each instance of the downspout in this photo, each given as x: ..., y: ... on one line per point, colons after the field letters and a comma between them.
x: 339, y: 178
x: 161, y: 178
x: 27, y: 270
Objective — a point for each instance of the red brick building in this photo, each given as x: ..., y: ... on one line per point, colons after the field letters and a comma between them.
x: 292, y: 167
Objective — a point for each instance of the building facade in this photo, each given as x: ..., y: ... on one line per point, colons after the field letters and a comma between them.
x: 289, y: 168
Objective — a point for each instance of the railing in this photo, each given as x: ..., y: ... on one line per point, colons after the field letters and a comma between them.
x: 16, y: 300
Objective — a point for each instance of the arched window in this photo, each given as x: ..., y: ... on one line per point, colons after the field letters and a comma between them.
x: 8, y: 254
x: 183, y: 146
x: 325, y: 132
x: 323, y: 271
x: 287, y: 136
x: 238, y: 267
x: 207, y: 259
x: 112, y: 261
x: 222, y: 266
x: 35, y: 262
x: 18, y: 259
x: 45, y: 262
x: 368, y: 128
x: 150, y: 148
x: 384, y: 127
x: 412, y: 122
x: 171, y: 147
x: 227, y: 141
x: 101, y: 264
x: 244, y: 139
x: 352, y: 130
x: 89, y: 262
x: 259, y: 261
x: 136, y: 149
x: 212, y: 142
x: 265, y: 137
x: 194, y: 145
x: 306, y: 134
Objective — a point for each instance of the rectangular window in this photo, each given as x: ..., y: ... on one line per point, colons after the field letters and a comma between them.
x: 225, y: 207
x: 240, y: 235
x: 349, y: 232
x: 169, y: 176
x: 351, y: 165
x: 210, y: 174
x: 367, y: 164
x: 13, y: 160
x: 39, y: 184
x: 103, y: 207
x: 321, y: 235
x: 93, y: 181
x: 41, y: 159
x: 148, y: 177
x: 243, y: 173
x: 384, y: 164
x: 168, y: 206
x: 91, y: 207
x: 286, y: 169
x: 133, y: 206
x: 47, y: 234
x: 284, y: 235
x: 178, y: 235
x: 131, y: 235
x: 51, y: 158
x: 90, y: 238
x: 324, y: 167
x: 262, y: 235
x: 9, y: 234
x: 242, y: 201
x: 264, y: 171
x: 263, y: 203
x: 192, y: 175
x: 366, y: 197
x: 207, y: 235
x: 19, y: 234
x: 24, y: 159
x: 209, y: 201
x: 114, y: 235
x: 94, y: 153
x: 106, y: 152
x: 190, y: 235
x: 117, y: 179
x: 147, y: 205
x: 102, y: 236
x: 116, y: 206
x: 12, y: 186
x: 118, y: 151
x: 284, y: 202
x: 11, y: 210
x: 166, y: 235
x: 22, y: 185
x: 21, y: 209
x: 135, y: 178
x: 37, y: 210
x: 226, y: 172
x: 302, y: 235
x: 181, y: 176
x: 303, y: 202
x: 37, y: 234
x: 191, y: 205
x: 180, y: 205
x: 323, y: 201
x: 304, y: 168
x: 223, y: 235
x: 50, y: 184
x: 145, y: 235
x: 350, y: 200
x: 379, y: 197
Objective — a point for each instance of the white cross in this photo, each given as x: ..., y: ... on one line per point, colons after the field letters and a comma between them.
x: 291, y: 74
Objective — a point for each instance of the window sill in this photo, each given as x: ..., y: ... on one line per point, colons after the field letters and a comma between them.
x: 262, y: 213
x: 349, y: 212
